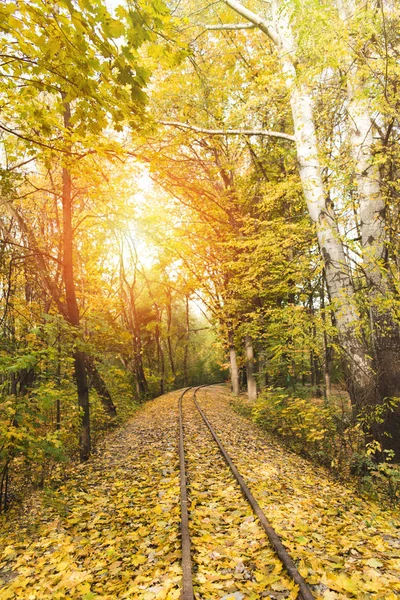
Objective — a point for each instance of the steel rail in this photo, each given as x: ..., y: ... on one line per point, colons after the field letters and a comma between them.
x: 305, y: 592
x: 187, y: 578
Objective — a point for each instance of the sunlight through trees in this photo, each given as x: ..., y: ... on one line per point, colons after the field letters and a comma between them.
x: 196, y: 192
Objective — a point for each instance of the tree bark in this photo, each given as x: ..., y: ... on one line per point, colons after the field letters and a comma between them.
x: 385, y: 332
x: 99, y: 385
x: 359, y: 368
x: 327, y: 349
x: 83, y: 402
x: 262, y: 367
x: 132, y: 322
x: 251, y: 380
x: 360, y: 375
x: 169, y: 325
x: 386, y: 337
x: 58, y: 381
x: 186, y: 349
x: 160, y: 353
x: 372, y: 204
x: 233, y: 364
x: 72, y: 304
x: 141, y: 380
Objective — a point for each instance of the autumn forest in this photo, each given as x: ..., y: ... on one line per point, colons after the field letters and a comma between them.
x: 199, y: 194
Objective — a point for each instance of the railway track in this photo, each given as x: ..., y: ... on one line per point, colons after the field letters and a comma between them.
x: 274, y: 539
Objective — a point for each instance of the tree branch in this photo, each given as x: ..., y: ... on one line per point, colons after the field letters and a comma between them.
x: 260, y: 132
x: 31, y: 140
x: 35, y: 252
x: 230, y: 26
x: 253, y: 18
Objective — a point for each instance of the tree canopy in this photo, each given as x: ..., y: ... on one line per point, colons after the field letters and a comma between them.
x: 195, y: 192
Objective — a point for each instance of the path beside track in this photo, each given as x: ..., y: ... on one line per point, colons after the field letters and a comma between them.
x: 344, y: 546
x: 112, y: 530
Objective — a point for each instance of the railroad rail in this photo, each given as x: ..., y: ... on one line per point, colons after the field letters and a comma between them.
x: 187, y: 579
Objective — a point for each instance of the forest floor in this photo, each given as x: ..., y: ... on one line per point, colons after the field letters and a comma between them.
x: 111, y: 530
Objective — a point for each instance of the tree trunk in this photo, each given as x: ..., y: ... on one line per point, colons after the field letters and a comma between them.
x: 99, y: 385
x: 4, y: 486
x: 169, y: 324
x: 132, y: 322
x: 72, y: 305
x: 160, y: 352
x: 58, y: 381
x: 372, y: 204
x: 386, y: 335
x: 26, y: 379
x: 251, y: 380
x: 385, y: 331
x: 233, y: 363
x: 69, y: 311
x: 327, y: 349
x: 141, y: 380
x: 262, y: 368
x: 161, y: 361
x: 186, y: 350
x: 58, y: 414
x: 360, y: 375
x: 312, y: 372
x: 83, y: 402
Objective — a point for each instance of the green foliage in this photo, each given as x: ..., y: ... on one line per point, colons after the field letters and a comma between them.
x: 375, y: 464
x: 309, y: 428
x: 369, y: 416
x: 376, y: 471
x: 69, y: 54
x: 329, y: 437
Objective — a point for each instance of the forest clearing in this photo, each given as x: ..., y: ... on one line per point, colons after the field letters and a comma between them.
x: 199, y: 299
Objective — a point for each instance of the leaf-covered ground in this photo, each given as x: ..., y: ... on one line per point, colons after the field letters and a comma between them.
x: 112, y: 529
x: 344, y: 546
x: 231, y: 553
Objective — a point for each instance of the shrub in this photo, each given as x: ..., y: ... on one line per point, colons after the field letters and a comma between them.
x: 308, y: 428
x: 328, y: 436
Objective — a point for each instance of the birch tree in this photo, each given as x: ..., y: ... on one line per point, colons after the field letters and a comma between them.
x: 366, y: 357
x: 385, y: 334
x: 279, y: 30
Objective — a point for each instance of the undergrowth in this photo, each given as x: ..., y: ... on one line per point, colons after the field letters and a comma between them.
x: 327, y: 435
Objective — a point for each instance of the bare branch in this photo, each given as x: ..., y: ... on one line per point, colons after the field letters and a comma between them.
x: 230, y: 26
x: 248, y: 132
x: 253, y: 18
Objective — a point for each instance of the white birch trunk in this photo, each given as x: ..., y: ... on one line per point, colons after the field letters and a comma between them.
x: 385, y: 339
x: 233, y: 364
x: 372, y: 205
x: 251, y: 380
x: 337, y: 272
x: 364, y: 385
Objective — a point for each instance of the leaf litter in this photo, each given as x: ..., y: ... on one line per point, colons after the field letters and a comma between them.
x: 112, y: 529
x: 344, y: 546
x: 232, y: 557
